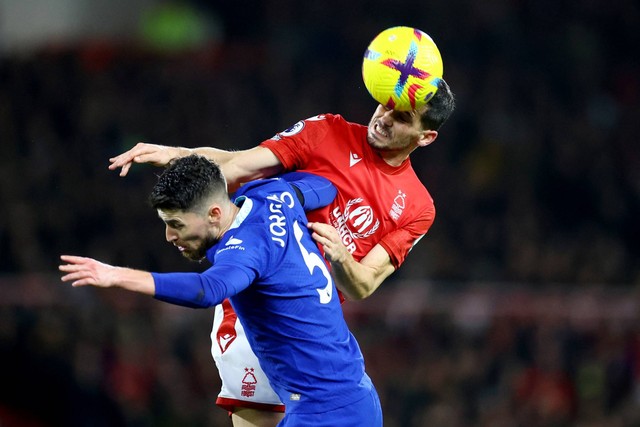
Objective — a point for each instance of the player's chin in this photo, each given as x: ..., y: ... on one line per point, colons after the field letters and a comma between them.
x: 195, y: 256
x: 376, y: 141
x: 381, y: 144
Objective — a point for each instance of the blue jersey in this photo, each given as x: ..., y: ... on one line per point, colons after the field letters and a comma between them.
x: 279, y: 285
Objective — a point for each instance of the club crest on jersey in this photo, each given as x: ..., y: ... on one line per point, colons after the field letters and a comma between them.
x: 398, y: 205
x: 357, y: 221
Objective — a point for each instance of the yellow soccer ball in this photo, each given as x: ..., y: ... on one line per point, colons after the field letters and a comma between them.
x: 401, y: 68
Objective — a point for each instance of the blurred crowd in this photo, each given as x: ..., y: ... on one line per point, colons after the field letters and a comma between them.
x: 536, y: 180
x: 535, y: 177
x: 441, y: 354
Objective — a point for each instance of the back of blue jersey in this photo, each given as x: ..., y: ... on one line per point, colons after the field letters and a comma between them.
x: 291, y: 312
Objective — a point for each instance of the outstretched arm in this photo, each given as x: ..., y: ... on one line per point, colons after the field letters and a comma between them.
x: 356, y: 280
x: 195, y: 290
x: 81, y: 271
x: 237, y: 166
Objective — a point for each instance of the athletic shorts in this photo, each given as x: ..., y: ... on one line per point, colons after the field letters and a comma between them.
x: 364, y: 412
x: 244, y: 384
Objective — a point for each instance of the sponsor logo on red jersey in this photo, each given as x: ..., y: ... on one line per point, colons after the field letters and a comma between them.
x: 356, y: 221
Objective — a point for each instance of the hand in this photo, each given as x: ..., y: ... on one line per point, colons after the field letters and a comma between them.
x: 327, y: 236
x: 87, y: 271
x: 157, y: 155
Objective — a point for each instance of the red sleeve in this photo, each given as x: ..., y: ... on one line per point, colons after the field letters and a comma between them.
x: 295, y: 145
x: 398, y: 243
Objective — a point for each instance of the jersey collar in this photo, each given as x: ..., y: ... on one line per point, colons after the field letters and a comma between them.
x: 246, y: 204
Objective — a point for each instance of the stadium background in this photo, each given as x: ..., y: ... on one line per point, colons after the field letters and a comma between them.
x: 520, y: 307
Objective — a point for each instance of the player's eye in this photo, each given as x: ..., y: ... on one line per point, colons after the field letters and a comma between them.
x: 175, y: 225
x: 403, y: 117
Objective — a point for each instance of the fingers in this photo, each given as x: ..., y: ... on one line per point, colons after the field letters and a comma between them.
x: 75, y: 277
x: 73, y: 259
x: 317, y: 226
x: 124, y: 158
x: 329, y: 239
x: 324, y: 230
x: 77, y: 269
x: 134, y: 155
x: 78, y: 278
x: 316, y: 232
x: 125, y: 169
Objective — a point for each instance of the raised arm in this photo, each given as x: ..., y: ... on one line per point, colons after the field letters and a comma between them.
x: 238, y: 166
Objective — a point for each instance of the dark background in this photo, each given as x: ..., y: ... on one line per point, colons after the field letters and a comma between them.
x: 520, y: 306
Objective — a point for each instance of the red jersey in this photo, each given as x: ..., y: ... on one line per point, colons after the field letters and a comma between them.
x: 376, y: 202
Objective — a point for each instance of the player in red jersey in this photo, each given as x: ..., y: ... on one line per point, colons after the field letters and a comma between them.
x: 381, y: 210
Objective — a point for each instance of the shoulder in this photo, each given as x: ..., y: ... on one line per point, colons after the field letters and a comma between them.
x: 336, y: 124
x: 329, y: 119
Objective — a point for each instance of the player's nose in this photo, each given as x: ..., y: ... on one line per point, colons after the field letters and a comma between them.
x: 170, y: 234
x: 387, y: 117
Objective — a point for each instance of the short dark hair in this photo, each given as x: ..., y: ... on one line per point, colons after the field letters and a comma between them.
x: 187, y: 183
x: 439, y: 107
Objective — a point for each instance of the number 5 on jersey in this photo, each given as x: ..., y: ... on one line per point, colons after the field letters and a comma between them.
x: 312, y: 261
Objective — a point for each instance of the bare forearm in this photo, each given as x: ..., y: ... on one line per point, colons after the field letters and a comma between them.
x: 357, y: 280
x: 238, y: 167
x: 354, y: 284
x: 242, y: 166
x: 219, y: 156
x: 135, y: 281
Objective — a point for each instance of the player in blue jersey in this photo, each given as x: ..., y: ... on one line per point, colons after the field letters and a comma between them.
x: 266, y: 262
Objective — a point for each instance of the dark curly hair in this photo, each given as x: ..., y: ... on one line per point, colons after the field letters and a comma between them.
x: 439, y: 108
x: 187, y: 184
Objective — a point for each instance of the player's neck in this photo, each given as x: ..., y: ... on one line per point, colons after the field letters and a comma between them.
x: 394, y: 158
x: 229, y: 218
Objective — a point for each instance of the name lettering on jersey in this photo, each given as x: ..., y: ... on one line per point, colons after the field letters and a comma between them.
x: 356, y: 222
x: 398, y: 205
x: 278, y: 223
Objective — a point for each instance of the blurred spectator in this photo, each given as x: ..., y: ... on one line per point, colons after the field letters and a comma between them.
x: 535, y: 178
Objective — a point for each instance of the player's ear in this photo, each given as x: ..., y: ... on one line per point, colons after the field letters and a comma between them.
x: 214, y: 213
x: 427, y: 137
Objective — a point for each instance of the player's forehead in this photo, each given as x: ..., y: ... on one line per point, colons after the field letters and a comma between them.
x: 417, y: 113
x: 173, y: 216
x: 412, y: 117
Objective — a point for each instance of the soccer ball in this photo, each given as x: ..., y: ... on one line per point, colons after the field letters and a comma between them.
x: 401, y: 68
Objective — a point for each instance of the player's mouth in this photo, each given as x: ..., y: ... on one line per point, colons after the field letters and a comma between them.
x: 381, y: 130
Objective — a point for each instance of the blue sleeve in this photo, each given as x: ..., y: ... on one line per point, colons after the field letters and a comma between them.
x: 200, y: 290
x: 316, y: 191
